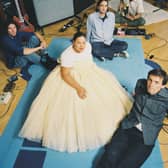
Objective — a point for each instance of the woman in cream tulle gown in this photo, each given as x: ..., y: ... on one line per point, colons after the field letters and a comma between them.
x: 79, y: 106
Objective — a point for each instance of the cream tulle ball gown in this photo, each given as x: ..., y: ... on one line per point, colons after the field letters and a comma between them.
x: 64, y: 122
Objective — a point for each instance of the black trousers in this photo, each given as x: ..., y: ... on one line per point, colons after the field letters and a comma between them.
x: 125, y: 150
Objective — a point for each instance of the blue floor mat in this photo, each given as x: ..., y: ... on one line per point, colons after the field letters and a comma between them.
x: 152, y: 64
x: 27, y: 143
x: 13, y: 150
x: 30, y: 159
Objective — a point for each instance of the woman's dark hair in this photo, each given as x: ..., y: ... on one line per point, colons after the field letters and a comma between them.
x: 98, y: 4
x: 78, y: 34
x: 161, y: 73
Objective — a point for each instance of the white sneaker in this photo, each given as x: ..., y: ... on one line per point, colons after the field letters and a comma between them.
x: 116, y: 54
x: 101, y: 59
x: 126, y: 55
x: 123, y: 54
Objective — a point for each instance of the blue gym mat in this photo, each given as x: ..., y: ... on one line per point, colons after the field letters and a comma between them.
x: 16, y: 152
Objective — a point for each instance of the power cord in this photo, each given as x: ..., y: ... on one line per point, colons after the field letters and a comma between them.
x: 165, y: 129
x: 5, y: 72
x: 8, y: 107
x: 9, y: 88
x: 78, y: 25
x: 150, y: 56
x: 164, y: 144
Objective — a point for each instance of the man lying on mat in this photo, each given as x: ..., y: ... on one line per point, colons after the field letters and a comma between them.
x: 134, y: 140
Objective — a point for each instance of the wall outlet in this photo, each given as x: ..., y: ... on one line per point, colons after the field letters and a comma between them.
x: 5, y: 97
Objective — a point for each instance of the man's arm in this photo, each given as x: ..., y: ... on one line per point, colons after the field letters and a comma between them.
x: 43, y: 45
x: 42, y: 40
x: 27, y: 51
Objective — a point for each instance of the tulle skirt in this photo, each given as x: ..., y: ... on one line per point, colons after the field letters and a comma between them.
x: 64, y: 122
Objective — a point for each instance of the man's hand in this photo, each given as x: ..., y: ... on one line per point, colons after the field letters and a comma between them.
x: 43, y: 44
x: 130, y: 17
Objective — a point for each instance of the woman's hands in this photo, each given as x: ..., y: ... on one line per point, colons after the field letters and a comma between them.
x: 81, y: 92
x: 66, y: 76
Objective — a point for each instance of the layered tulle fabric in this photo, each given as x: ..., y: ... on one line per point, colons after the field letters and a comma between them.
x: 64, y: 122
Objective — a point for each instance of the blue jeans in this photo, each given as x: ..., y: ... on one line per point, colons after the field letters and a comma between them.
x: 22, y: 61
x: 99, y: 49
x: 126, y: 150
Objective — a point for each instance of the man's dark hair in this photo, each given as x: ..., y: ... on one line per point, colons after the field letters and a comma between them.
x: 161, y: 73
x: 78, y: 34
x: 7, y: 23
x: 98, y: 4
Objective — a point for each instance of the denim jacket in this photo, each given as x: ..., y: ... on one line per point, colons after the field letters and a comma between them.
x: 149, y: 110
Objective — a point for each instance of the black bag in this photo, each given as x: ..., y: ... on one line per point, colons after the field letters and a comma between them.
x: 48, y: 62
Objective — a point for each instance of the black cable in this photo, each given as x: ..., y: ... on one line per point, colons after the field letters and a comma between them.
x: 165, y: 124
x: 7, y: 110
x: 159, y: 46
x: 18, y: 88
x: 165, y: 130
x: 5, y: 72
x: 80, y: 23
x: 164, y: 144
x: 149, y: 56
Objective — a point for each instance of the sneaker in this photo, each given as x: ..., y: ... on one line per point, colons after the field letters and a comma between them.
x: 123, y: 54
x: 48, y: 62
x: 101, y: 59
x: 116, y: 54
